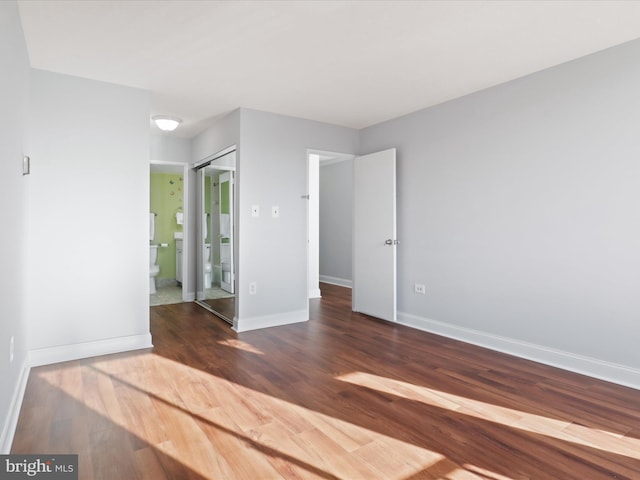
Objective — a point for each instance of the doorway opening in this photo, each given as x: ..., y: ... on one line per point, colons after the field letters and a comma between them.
x: 329, y: 218
x: 168, y: 265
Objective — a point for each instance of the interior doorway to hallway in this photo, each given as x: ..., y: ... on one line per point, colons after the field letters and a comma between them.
x: 329, y: 219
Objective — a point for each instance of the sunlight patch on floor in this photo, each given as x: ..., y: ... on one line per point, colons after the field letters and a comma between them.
x: 483, y: 472
x: 240, y: 345
x: 560, y: 429
x: 216, y: 427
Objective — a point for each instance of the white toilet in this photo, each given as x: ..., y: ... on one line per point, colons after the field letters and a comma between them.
x: 154, y: 269
x: 208, y: 270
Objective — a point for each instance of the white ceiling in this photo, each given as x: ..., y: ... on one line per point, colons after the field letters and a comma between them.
x: 351, y: 63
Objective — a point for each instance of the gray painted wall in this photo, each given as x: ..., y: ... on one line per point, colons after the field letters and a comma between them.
x: 273, y: 166
x: 13, y: 189
x: 166, y: 148
x: 518, y: 208
x: 336, y: 210
x: 88, y: 215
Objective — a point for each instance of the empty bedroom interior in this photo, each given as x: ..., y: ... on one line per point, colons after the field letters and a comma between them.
x: 517, y: 209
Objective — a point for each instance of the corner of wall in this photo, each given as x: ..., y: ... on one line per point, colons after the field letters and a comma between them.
x: 11, y: 420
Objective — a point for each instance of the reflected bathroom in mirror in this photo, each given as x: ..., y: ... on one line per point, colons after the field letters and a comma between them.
x: 216, y: 265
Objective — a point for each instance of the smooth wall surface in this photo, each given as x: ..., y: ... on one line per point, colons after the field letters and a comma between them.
x: 166, y: 148
x: 518, y: 209
x: 273, y: 253
x: 88, y: 204
x: 336, y: 216
x: 14, y: 83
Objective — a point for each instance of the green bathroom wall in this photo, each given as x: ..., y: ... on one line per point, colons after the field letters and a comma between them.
x: 166, y: 201
x: 224, y: 197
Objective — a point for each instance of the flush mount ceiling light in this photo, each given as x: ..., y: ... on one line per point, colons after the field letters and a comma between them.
x: 166, y: 122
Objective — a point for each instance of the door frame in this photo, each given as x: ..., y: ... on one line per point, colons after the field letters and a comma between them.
x: 313, y: 221
x: 187, y: 296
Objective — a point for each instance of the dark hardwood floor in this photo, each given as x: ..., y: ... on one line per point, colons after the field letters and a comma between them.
x: 224, y: 306
x: 341, y: 396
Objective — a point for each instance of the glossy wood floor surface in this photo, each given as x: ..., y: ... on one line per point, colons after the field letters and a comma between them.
x: 341, y: 396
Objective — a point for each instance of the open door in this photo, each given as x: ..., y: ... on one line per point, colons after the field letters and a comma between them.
x: 374, y: 235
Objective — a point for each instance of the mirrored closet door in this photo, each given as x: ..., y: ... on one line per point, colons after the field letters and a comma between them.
x: 216, y: 234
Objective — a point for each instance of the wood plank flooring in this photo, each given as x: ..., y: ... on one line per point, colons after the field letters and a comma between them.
x: 341, y: 396
x: 225, y: 306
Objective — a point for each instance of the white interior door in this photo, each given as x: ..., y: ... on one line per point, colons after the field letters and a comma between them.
x: 374, y: 234
x: 226, y: 231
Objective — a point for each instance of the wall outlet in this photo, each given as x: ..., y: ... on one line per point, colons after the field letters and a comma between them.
x: 419, y: 288
x: 253, y: 288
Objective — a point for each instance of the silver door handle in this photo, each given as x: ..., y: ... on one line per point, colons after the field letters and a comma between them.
x: 391, y: 242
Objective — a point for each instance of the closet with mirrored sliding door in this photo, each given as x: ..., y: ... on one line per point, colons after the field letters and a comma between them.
x: 216, y: 234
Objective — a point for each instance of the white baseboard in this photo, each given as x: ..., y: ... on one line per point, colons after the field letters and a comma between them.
x: 9, y: 430
x: 265, y: 321
x: 65, y: 353
x: 342, y: 282
x: 315, y: 293
x: 603, y: 370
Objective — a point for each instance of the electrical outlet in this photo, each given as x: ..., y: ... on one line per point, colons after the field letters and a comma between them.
x: 253, y: 288
x: 419, y: 288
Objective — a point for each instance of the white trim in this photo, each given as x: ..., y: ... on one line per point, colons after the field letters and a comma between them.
x: 65, y: 353
x: 11, y: 421
x: 592, y: 367
x: 328, y: 158
x: 265, y: 321
x: 315, y: 293
x: 342, y: 282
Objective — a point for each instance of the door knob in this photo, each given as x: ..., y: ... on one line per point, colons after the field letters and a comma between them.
x: 391, y: 242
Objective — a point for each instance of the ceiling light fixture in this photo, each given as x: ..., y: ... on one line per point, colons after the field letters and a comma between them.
x: 166, y: 123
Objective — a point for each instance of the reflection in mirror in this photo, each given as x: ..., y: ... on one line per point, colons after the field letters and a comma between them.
x: 216, y: 266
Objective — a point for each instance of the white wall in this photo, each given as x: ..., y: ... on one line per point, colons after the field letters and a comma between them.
x: 336, y: 217
x: 222, y: 134
x: 166, y: 148
x: 519, y: 210
x: 14, y: 83
x: 88, y: 217
x: 272, y: 252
